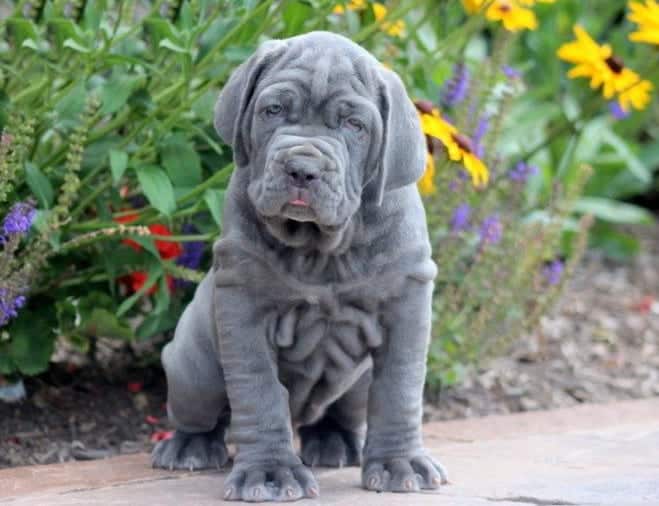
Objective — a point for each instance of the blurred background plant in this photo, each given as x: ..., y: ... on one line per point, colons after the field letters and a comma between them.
x: 112, y: 178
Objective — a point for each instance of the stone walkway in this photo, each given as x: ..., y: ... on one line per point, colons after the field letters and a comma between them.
x: 589, y: 455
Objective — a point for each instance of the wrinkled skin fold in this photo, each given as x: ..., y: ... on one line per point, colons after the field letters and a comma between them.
x: 316, y: 313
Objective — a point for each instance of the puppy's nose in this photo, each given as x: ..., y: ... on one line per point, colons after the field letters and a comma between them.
x: 304, y: 164
x: 300, y: 172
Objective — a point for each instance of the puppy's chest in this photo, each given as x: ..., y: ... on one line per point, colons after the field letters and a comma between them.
x: 323, y: 335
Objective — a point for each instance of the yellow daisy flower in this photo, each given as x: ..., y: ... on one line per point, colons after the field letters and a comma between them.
x: 513, y: 16
x: 647, y: 18
x: 604, y: 69
x: 457, y: 145
x: 427, y: 182
x: 395, y: 29
x: 352, y: 5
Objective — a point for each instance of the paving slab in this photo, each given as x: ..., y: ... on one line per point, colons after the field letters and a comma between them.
x: 590, y: 455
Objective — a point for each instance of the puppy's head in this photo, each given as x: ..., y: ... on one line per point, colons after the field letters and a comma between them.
x: 321, y: 125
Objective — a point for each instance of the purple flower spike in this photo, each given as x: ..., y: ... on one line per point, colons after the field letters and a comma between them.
x: 456, y: 88
x: 19, y: 219
x: 491, y: 230
x: 521, y: 172
x: 479, y: 134
x: 9, y: 306
x: 460, y: 218
x: 553, y: 271
x: 511, y: 72
x: 191, y: 256
x: 617, y: 111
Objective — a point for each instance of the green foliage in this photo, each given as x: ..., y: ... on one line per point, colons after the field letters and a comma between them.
x: 106, y: 109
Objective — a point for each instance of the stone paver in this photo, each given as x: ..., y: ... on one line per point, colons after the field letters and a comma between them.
x: 590, y: 455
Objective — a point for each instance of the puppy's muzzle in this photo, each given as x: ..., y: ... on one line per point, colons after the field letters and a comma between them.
x: 303, y: 164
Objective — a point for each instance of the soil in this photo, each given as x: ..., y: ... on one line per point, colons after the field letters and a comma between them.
x: 599, y: 344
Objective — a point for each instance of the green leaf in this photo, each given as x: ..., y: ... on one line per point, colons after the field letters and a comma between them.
x: 159, y: 29
x: 157, y: 187
x: 147, y: 243
x: 173, y: 46
x: 21, y: 29
x: 39, y: 185
x: 612, y: 210
x: 612, y: 242
x: 116, y: 91
x: 30, y: 43
x: 155, y: 323
x: 76, y: 46
x: 72, y: 104
x: 32, y: 341
x: 181, y: 161
x: 621, y: 147
x: 215, y: 201
x: 118, y: 164
x: 295, y: 13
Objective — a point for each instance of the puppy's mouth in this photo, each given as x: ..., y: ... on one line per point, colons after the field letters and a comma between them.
x: 298, y: 211
x: 298, y: 207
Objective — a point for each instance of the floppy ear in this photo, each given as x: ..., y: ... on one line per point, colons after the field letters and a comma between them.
x: 403, y: 154
x: 236, y: 95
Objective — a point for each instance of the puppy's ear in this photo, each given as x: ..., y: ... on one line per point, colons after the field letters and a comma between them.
x: 236, y: 95
x: 403, y: 154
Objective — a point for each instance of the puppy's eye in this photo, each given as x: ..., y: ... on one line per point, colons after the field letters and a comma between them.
x: 355, y: 124
x: 273, y: 110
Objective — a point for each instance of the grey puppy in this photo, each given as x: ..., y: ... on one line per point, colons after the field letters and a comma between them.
x: 316, y: 313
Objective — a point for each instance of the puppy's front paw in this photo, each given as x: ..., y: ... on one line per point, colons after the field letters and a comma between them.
x: 270, y: 482
x: 326, y: 444
x: 403, y: 474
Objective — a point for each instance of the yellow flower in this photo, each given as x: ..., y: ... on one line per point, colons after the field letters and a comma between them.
x: 605, y: 69
x: 457, y: 145
x: 647, y: 18
x: 395, y: 29
x: 427, y: 182
x: 472, y: 6
x: 637, y: 95
x: 513, y: 16
x: 352, y: 5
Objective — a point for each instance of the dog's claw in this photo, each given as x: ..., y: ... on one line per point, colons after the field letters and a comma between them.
x: 190, y: 452
x: 260, y: 483
x: 403, y: 474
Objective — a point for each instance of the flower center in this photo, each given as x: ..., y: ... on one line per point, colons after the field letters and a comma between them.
x: 425, y: 106
x: 505, y: 7
x: 615, y: 64
x: 462, y: 141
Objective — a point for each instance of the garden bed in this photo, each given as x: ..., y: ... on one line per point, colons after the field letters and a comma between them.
x: 601, y: 343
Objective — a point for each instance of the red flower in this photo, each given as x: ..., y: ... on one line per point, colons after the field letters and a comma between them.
x: 167, y: 249
x: 135, y: 386
x: 161, y: 435
x: 135, y: 280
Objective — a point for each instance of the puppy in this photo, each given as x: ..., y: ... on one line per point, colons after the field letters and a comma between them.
x: 316, y: 313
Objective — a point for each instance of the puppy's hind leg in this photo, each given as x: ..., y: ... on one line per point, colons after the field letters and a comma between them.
x: 197, y: 403
x: 336, y: 440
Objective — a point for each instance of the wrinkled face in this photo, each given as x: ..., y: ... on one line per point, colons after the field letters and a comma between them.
x: 313, y: 131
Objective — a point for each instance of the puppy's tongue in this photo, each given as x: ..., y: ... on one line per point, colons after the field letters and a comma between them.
x: 299, y: 202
